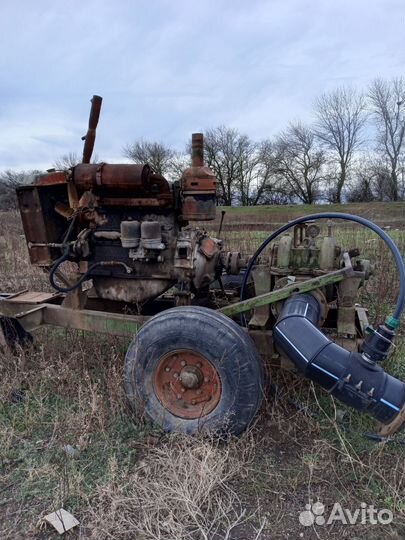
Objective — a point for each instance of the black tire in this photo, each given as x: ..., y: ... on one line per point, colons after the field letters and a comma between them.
x: 222, y: 342
x: 13, y: 335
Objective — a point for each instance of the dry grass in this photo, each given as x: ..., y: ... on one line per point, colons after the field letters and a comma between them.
x: 181, y: 490
x: 127, y: 480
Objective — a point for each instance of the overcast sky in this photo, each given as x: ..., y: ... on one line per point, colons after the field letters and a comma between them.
x: 168, y: 68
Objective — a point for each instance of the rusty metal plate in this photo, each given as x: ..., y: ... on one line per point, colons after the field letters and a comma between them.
x: 209, y: 247
x: 187, y: 384
x: 57, y: 177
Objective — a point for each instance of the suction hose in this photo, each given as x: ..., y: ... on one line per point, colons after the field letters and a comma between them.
x: 350, y: 377
x: 353, y: 378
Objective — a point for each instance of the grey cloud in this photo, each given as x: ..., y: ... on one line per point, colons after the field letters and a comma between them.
x: 167, y: 68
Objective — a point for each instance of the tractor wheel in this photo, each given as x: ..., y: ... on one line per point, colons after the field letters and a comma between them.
x: 193, y: 369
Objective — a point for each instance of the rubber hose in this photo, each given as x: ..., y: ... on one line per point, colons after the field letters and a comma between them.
x: 348, y: 376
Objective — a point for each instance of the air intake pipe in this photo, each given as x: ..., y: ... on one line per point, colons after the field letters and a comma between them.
x: 350, y: 377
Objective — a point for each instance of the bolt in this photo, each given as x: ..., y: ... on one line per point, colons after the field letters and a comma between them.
x: 178, y: 396
x: 198, y: 392
x: 206, y: 379
x: 183, y: 363
x: 183, y: 389
x: 176, y: 375
x: 199, y: 364
x: 167, y: 369
x: 193, y: 402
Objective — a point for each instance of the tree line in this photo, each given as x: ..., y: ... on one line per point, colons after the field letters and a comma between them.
x: 353, y: 151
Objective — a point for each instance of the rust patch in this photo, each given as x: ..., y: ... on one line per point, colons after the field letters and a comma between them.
x: 198, y: 207
x: 187, y: 384
x: 57, y: 177
x: 199, y: 180
x: 209, y: 247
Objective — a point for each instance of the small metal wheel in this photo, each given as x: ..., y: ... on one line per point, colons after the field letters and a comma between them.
x: 193, y: 369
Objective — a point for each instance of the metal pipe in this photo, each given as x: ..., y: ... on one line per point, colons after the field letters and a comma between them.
x: 197, y: 149
x: 90, y: 137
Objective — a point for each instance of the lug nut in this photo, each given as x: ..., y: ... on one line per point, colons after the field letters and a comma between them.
x: 206, y: 379
x: 193, y: 402
x: 167, y: 369
x: 178, y: 396
x: 183, y: 363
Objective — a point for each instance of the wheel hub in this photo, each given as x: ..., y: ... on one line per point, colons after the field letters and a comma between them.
x: 187, y: 384
x: 191, y: 377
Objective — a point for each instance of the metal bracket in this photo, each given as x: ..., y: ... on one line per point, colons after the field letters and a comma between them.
x: 301, y: 287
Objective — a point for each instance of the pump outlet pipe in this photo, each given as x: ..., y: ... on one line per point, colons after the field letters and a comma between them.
x: 350, y: 377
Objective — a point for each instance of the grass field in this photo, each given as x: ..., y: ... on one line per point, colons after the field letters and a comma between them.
x: 67, y: 438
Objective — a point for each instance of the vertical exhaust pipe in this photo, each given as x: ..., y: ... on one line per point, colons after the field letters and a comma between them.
x: 90, y: 137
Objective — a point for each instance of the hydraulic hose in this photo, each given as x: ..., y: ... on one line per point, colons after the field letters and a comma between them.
x: 348, y: 376
x: 84, y: 277
x: 392, y: 322
x: 55, y: 267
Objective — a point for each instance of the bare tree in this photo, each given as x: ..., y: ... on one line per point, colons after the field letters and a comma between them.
x: 66, y: 161
x: 179, y: 163
x: 232, y: 157
x: 69, y: 160
x: 380, y: 174
x: 300, y: 161
x: 9, y: 181
x: 159, y: 156
x: 388, y: 101
x: 269, y: 187
x: 361, y: 187
x: 340, y: 119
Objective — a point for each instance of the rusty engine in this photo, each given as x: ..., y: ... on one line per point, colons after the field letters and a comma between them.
x: 125, y: 225
x: 128, y: 229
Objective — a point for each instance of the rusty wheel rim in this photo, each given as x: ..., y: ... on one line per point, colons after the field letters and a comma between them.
x: 187, y: 384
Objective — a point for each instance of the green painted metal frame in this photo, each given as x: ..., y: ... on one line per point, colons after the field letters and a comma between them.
x: 285, y: 292
x: 33, y: 315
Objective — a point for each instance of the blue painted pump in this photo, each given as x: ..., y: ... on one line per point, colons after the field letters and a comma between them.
x: 354, y: 378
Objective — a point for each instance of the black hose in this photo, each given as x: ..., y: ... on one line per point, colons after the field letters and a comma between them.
x: 348, y: 376
x: 55, y: 267
x: 394, y: 320
x: 84, y: 277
